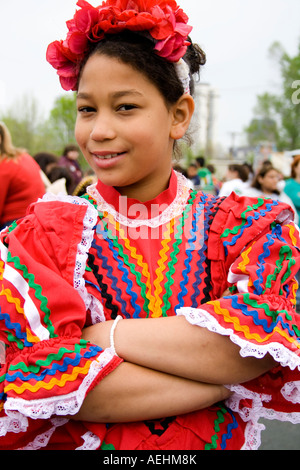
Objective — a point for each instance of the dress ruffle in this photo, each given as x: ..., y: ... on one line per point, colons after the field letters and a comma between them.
x: 49, y: 370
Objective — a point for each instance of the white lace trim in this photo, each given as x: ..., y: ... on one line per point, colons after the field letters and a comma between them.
x: 91, y: 442
x: 290, y: 391
x: 281, y: 355
x: 96, y: 309
x: 13, y: 422
x: 175, y: 209
x: 43, y: 439
x: 253, y: 436
x: 60, y: 405
x: 84, y: 246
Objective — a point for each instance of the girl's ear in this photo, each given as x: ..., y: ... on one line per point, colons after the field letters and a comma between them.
x: 182, y: 112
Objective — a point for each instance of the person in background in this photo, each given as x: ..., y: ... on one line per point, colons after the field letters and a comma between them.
x: 61, y: 180
x: 193, y: 176
x: 265, y: 184
x: 236, y: 181
x: 69, y: 160
x: 206, y: 182
x: 20, y: 180
x: 46, y: 160
x: 292, y: 186
x: 292, y: 189
x: 215, y: 180
x: 57, y: 179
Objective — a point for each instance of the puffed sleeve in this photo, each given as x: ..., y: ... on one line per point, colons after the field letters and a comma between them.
x: 255, y: 254
x: 48, y: 369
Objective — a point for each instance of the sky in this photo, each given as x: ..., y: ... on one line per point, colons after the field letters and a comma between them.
x: 235, y: 34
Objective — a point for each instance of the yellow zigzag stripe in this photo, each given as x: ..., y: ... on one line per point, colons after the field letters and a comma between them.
x: 140, y: 263
x: 295, y: 287
x: 16, y: 302
x: 246, y: 260
x: 291, y: 234
x: 1, y: 270
x: 245, y: 329
x: 48, y: 386
x: 159, y: 272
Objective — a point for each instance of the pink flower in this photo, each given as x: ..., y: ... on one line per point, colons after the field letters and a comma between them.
x: 163, y: 19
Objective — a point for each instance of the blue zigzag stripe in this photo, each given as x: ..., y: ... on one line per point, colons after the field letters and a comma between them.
x: 262, y: 257
x: 121, y: 266
x: 250, y: 219
x: 230, y: 428
x: 200, y: 262
x: 16, y: 327
x: 54, y: 367
x: 187, y: 263
x: 255, y: 316
x: 110, y: 275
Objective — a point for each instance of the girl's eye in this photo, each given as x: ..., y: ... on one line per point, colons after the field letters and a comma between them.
x: 127, y: 107
x: 86, y: 109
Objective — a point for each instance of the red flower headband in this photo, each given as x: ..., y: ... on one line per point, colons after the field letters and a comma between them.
x: 162, y: 19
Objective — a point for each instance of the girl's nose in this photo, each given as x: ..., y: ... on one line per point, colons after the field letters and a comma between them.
x: 103, y: 129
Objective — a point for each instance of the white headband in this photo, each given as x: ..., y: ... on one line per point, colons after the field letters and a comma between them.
x: 183, y: 73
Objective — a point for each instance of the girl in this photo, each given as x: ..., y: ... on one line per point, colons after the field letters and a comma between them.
x: 266, y: 184
x: 126, y: 311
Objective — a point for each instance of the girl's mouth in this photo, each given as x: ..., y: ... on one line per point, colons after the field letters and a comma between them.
x: 106, y: 159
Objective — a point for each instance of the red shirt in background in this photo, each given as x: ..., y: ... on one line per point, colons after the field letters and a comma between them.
x: 20, y: 185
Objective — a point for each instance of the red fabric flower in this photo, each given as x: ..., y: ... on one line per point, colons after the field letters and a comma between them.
x: 163, y: 19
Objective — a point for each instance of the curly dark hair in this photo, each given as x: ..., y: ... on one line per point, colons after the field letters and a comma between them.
x: 137, y: 51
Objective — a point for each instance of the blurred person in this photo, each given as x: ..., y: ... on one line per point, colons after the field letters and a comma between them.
x: 292, y: 186
x: 61, y: 180
x: 215, y: 180
x: 69, y: 160
x: 193, y: 176
x: 236, y: 181
x: 266, y: 184
x: 46, y: 160
x: 292, y: 189
x: 206, y: 182
x: 20, y: 180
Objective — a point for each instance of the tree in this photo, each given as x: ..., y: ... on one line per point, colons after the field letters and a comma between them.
x: 23, y: 120
x: 62, y: 119
x: 277, y: 117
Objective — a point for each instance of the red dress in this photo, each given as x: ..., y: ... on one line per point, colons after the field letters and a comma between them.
x: 74, y: 262
x: 21, y: 185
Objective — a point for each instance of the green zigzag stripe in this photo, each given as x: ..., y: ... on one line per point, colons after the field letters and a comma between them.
x: 131, y: 266
x: 254, y: 304
x: 38, y: 291
x: 221, y: 418
x: 285, y: 250
x: 236, y: 229
x: 50, y: 359
x: 174, y: 253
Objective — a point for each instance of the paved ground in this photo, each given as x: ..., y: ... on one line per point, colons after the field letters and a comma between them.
x: 280, y: 436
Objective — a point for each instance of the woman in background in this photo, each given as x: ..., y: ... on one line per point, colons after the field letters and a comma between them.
x: 20, y: 180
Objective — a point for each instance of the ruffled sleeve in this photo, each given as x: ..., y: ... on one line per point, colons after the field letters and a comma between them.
x: 48, y: 369
x: 254, y: 244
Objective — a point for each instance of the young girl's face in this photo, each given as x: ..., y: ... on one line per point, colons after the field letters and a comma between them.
x: 269, y: 183
x: 124, y: 128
